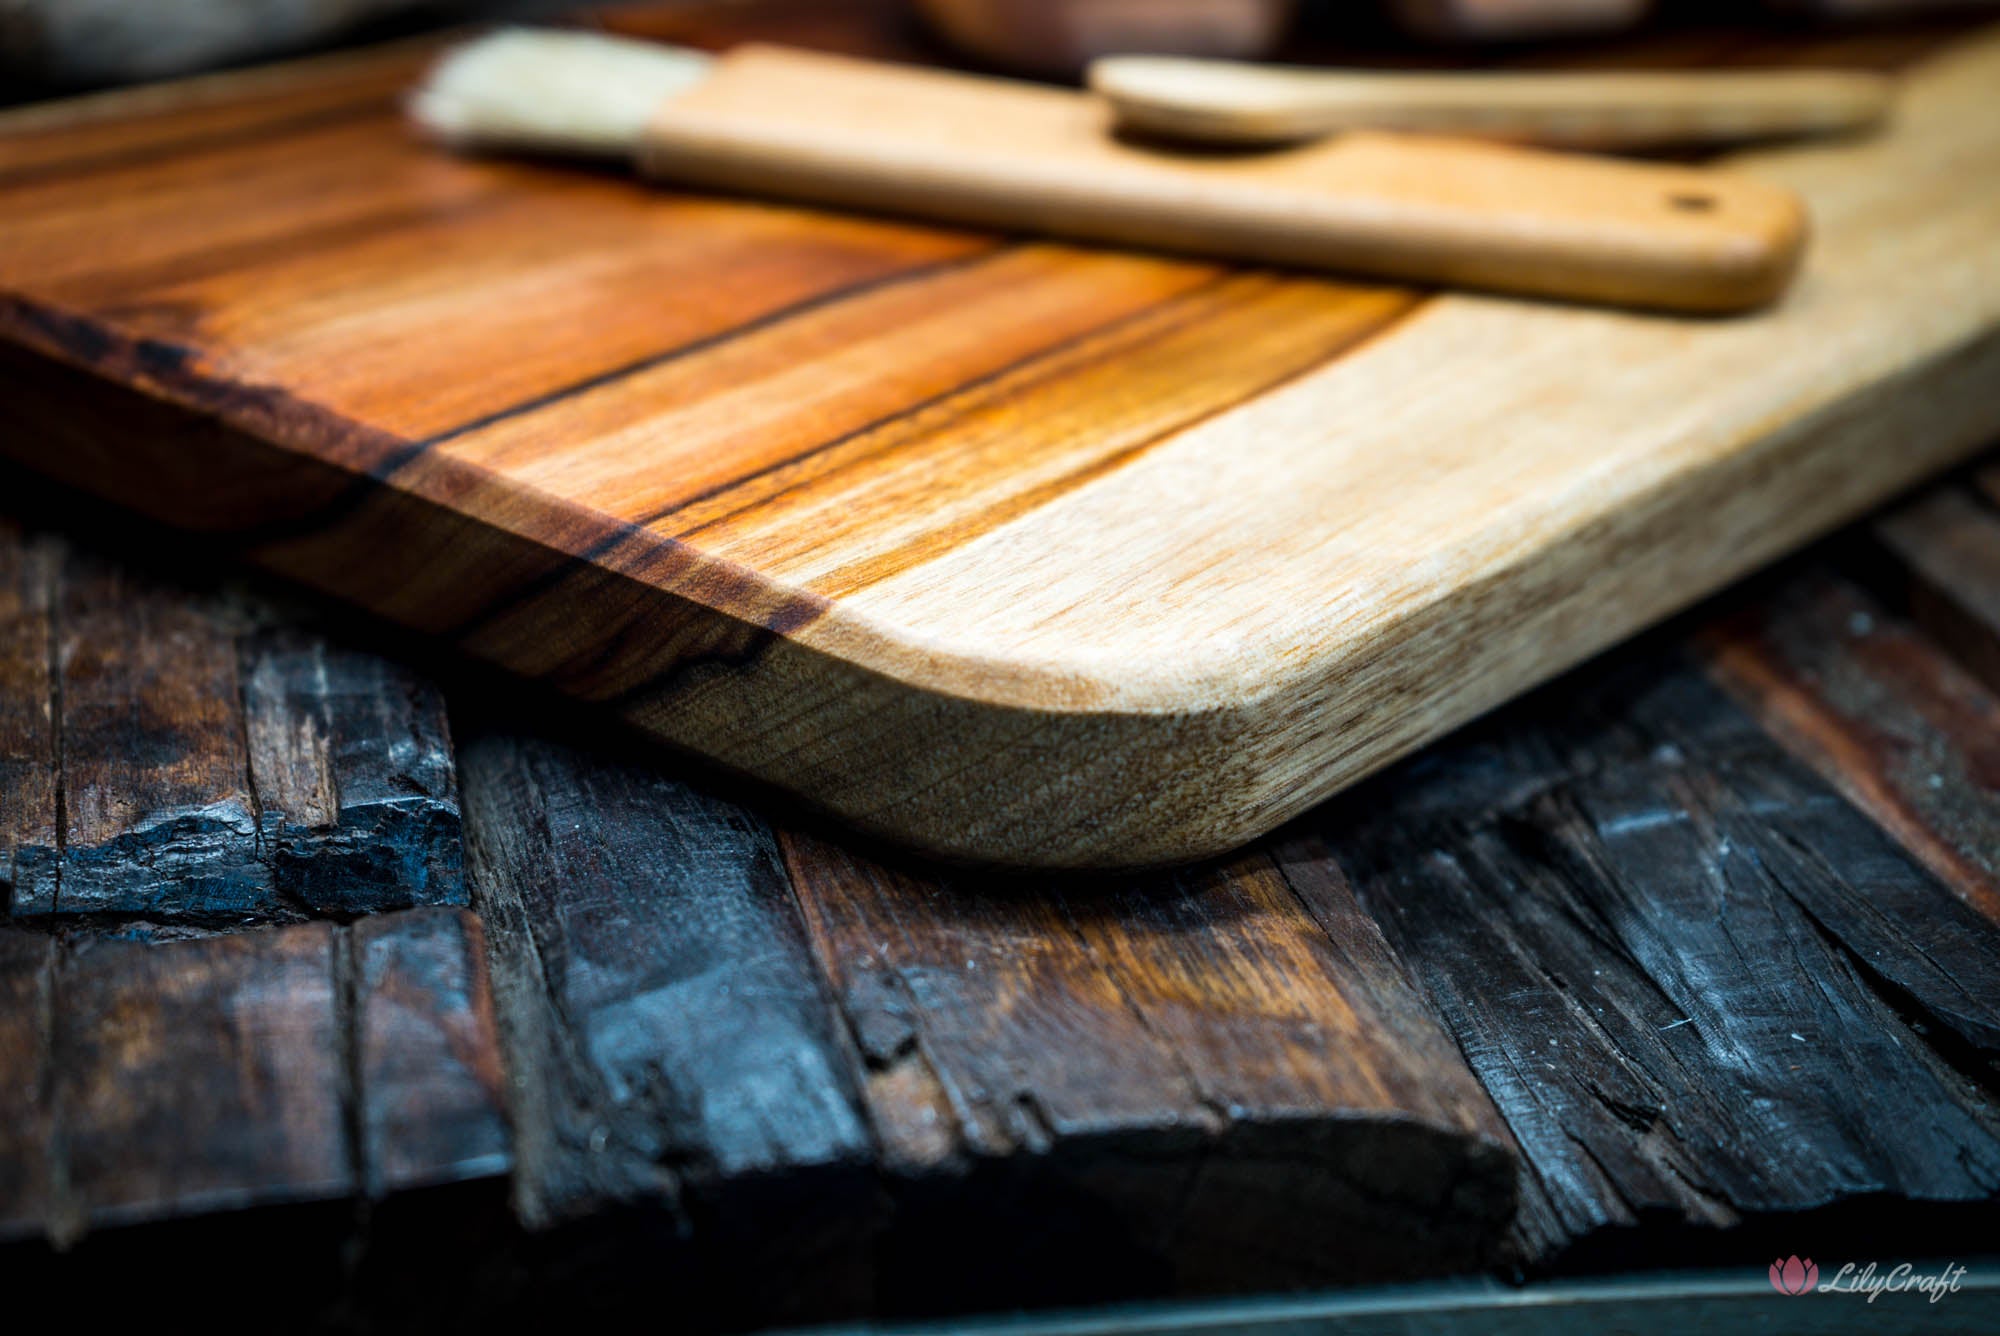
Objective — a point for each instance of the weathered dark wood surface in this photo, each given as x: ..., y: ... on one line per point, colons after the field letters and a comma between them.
x: 168, y: 759
x: 420, y: 1013
x: 1688, y: 956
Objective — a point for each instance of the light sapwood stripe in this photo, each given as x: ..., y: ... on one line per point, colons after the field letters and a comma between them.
x: 649, y: 441
x: 538, y: 290
x: 903, y: 494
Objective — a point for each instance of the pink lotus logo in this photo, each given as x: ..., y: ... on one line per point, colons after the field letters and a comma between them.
x: 1792, y: 1276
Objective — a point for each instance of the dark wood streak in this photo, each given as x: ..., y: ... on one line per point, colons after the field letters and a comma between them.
x: 379, y: 460
x: 166, y: 378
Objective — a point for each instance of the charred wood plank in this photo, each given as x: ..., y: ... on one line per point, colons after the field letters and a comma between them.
x: 149, y: 1080
x: 1660, y: 941
x: 1182, y: 1079
x: 1947, y: 544
x: 179, y: 756
x: 673, y: 1051
x: 352, y: 763
x: 27, y: 1187
x: 157, y: 811
x: 29, y: 764
x: 1901, y: 729
x: 200, y: 1075
x: 427, y: 1060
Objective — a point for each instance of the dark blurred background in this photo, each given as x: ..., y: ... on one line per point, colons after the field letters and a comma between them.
x: 49, y: 46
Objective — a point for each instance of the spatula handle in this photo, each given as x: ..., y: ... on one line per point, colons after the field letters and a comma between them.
x: 1223, y: 101
x: 990, y: 152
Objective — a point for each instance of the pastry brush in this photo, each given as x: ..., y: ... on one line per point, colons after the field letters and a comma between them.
x: 997, y: 153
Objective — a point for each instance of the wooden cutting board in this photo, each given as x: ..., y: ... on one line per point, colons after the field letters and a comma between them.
x: 1005, y: 549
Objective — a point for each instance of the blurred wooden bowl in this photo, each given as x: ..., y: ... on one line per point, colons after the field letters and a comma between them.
x: 1506, y: 20
x: 1062, y: 36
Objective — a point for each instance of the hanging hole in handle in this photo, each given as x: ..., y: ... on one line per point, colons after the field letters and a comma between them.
x: 1690, y: 201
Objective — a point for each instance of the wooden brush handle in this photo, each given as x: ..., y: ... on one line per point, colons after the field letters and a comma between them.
x: 830, y: 129
x: 1231, y: 102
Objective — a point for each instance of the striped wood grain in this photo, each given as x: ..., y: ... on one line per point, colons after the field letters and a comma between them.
x: 1005, y: 549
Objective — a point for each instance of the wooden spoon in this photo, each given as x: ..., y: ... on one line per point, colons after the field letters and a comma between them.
x: 1222, y: 101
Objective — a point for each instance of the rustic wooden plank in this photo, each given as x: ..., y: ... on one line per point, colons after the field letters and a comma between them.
x: 200, y: 1075
x: 221, y: 767
x: 158, y: 815
x: 351, y: 759
x: 427, y: 1054
x: 27, y: 1181
x: 1068, y: 664
x: 29, y: 765
x: 1947, y: 544
x: 1901, y: 730
x: 187, y: 1078
x: 672, y: 1051
x: 1190, y: 1079
x: 1663, y: 945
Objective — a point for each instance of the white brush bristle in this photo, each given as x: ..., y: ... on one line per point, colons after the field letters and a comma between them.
x: 551, y: 91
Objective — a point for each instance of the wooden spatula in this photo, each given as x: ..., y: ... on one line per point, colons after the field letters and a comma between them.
x: 1230, y: 102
